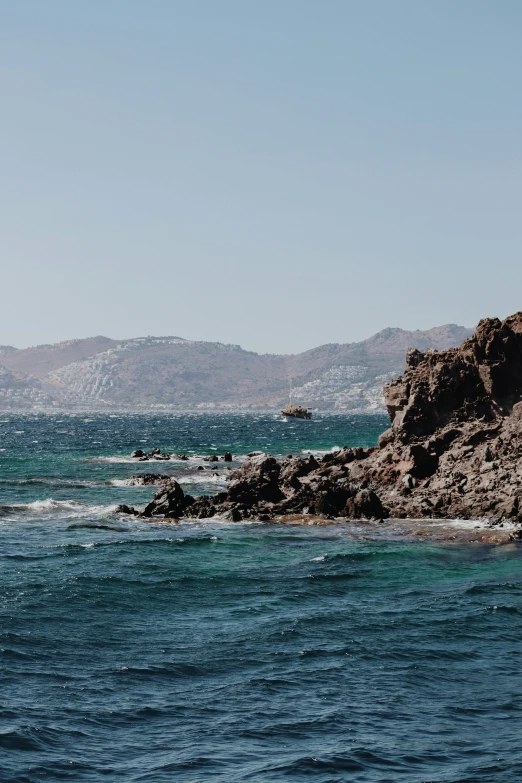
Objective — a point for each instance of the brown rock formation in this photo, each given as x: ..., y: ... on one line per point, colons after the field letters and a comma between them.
x: 455, y: 445
x: 454, y: 448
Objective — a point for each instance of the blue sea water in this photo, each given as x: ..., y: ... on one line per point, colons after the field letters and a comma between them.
x: 199, y: 651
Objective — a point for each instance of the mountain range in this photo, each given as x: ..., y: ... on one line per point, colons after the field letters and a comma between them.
x: 174, y: 373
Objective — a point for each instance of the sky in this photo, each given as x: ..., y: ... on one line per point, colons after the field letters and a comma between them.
x: 277, y: 174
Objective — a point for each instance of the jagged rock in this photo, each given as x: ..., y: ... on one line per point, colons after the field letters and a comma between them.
x: 212, y: 458
x: 361, y: 453
x: 327, y: 458
x: 345, y: 456
x: 423, y: 462
x: 329, y: 499
x: 124, y: 509
x: 413, y: 357
x: 366, y: 504
x: 294, y: 468
x: 385, y: 439
x: 256, y: 479
x: 154, y: 454
x: 454, y: 448
x: 170, y: 501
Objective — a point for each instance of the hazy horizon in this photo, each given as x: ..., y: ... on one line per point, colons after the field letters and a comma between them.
x: 278, y: 176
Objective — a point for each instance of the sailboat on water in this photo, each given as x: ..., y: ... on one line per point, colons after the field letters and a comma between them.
x: 292, y: 411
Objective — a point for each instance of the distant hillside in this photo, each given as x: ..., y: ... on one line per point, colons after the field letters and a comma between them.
x: 46, y: 358
x: 19, y: 390
x: 171, y: 372
x: 351, y: 375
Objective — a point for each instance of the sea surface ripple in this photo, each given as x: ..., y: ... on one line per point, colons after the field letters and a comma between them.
x: 134, y: 651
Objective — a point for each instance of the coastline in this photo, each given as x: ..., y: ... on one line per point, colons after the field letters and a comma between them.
x: 453, y: 450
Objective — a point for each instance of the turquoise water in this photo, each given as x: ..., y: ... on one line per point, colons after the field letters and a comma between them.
x: 134, y: 651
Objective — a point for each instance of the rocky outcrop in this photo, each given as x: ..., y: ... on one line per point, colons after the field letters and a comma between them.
x: 146, y: 479
x: 455, y: 445
x: 154, y: 454
x: 454, y: 448
x: 170, y: 501
x: 158, y: 455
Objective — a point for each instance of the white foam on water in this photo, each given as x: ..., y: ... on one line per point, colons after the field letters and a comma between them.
x: 113, y: 459
x: 199, y: 478
x: 202, y: 479
x: 321, y: 452
x: 48, y: 505
x: 217, y: 521
x: 126, y: 459
x: 64, y: 508
x: 474, y: 524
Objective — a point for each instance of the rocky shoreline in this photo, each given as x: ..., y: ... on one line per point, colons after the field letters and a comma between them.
x: 454, y: 450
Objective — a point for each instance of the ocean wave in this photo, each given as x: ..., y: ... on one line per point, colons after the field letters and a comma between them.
x: 194, y: 458
x: 337, y: 576
x: 32, y: 738
x: 51, y: 506
x: 193, y: 478
x: 387, y: 554
x: 131, y: 483
x: 474, y: 524
x: 51, y: 482
x: 202, y: 478
x: 95, y: 526
x: 361, y: 760
x: 321, y: 452
x: 116, y: 460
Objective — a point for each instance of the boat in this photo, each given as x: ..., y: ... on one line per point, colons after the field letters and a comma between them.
x: 296, y: 412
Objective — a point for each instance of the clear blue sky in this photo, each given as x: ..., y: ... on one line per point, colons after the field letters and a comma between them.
x: 274, y: 173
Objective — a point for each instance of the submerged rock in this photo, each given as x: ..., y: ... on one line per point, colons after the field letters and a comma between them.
x: 124, y: 509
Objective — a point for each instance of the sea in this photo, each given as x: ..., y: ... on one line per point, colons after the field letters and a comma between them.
x: 217, y: 651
